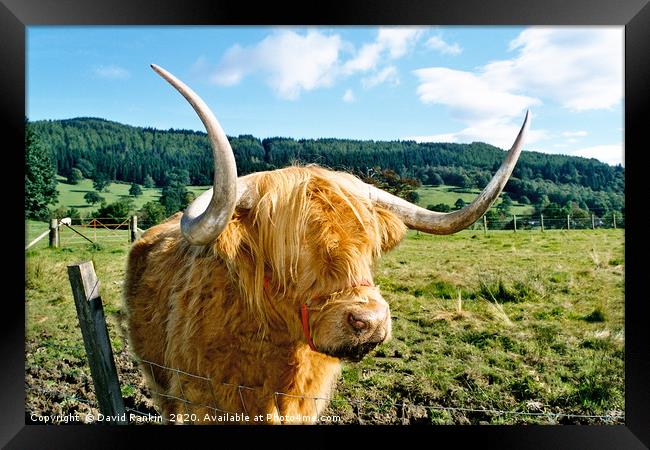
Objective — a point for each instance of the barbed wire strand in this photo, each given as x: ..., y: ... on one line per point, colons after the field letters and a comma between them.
x: 355, y: 401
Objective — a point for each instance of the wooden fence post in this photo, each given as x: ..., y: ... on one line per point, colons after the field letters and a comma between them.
x: 541, y: 218
x: 514, y: 219
x: 54, y: 233
x: 485, y: 224
x: 614, y: 219
x: 85, y: 289
x: 593, y: 222
x: 133, y: 226
x: 568, y: 223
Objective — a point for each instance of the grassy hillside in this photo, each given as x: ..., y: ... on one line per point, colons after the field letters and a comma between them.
x: 432, y: 195
x: 527, y: 323
x: 72, y: 195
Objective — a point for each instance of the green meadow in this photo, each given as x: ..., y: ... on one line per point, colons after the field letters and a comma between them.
x: 497, y: 328
x: 432, y: 195
x: 72, y: 195
x: 526, y: 324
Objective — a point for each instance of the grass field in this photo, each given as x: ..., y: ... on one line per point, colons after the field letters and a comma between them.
x: 72, y: 195
x: 525, y: 323
x: 432, y: 195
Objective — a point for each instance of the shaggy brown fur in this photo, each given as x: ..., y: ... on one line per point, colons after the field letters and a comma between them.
x: 206, y: 310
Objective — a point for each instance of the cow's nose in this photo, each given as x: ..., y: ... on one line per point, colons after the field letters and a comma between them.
x: 368, y: 320
x: 357, y: 322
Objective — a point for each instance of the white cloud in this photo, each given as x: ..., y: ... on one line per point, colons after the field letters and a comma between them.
x: 111, y: 72
x: 574, y: 134
x: 469, y: 97
x: 398, y: 41
x: 501, y: 134
x: 388, y: 74
x: 366, y: 59
x: 439, y: 44
x: 349, y: 97
x: 610, y: 153
x: 391, y: 43
x: 292, y: 62
x: 490, y: 114
x: 581, y: 69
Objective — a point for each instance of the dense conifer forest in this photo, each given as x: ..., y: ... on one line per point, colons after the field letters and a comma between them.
x: 103, y: 149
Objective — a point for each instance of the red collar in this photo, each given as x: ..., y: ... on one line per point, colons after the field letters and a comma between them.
x: 304, y: 316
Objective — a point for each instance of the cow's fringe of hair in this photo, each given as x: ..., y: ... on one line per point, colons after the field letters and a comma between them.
x: 267, y: 241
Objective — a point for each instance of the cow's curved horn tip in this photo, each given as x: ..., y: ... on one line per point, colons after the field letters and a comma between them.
x: 156, y: 68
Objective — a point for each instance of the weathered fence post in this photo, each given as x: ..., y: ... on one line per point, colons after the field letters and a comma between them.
x: 85, y: 289
x: 541, y: 218
x: 54, y: 233
x: 568, y: 222
x: 514, y: 219
x: 593, y: 222
x: 133, y: 226
x: 484, y: 224
x: 614, y: 219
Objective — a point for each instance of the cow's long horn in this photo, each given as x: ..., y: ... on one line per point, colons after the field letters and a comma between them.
x: 433, y: 222
x: 207, y: 216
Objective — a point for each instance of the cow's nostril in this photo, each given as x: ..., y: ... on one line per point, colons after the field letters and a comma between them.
x: 356, y: 323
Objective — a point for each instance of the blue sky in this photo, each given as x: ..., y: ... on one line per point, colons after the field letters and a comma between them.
x: 444, y: 84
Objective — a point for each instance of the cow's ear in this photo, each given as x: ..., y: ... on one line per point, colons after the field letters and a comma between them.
x: 392, y: 229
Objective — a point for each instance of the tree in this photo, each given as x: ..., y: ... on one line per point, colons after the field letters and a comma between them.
x: 135, y: 190
x: 436, y: 180
x: 101, y: 182
x: 40, y: 177
x: 505, y: 205
x: 150, y: 214
x: 460, y: 204
x: 75, y: 176
x: 494, y: 219
x: 390, y: 181
x: 93, y: 197
x: 412, y: 196
x: 174, y: 198
x: 63, y: 212
x: 149, y: 182
x: 440, y: 207
x: 117, y: 211
x: 178, y: 176
x: 86, y: 168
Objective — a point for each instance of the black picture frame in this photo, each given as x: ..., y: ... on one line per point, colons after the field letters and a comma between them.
x: 634, y: 15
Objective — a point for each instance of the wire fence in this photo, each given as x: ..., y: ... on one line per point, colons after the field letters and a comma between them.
x: 74, y: 231
x: 117, y: 230
x: 360, y: 407
x: 541, y: 222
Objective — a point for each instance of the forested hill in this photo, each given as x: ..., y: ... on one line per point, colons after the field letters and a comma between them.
x: 127, y: 153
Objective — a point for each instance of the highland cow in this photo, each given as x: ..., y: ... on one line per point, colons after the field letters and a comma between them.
x: 265, y: 283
